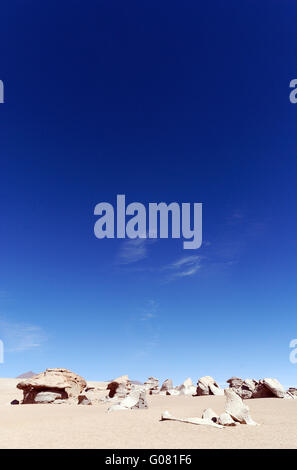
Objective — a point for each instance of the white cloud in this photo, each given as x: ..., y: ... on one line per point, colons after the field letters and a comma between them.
x: 133, y: 250
x: 19, y: 337
x: 184, y: 267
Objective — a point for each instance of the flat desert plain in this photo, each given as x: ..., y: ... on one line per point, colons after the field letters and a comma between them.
x: 89, y: 427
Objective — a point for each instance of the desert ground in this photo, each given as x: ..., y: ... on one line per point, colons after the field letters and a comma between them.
x: 63, y: 426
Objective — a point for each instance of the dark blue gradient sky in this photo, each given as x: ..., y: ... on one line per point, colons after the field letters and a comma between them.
x: 161, y: 101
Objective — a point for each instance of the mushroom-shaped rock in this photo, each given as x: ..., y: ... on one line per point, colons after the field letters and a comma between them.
x: 51, y: 385
x: 236, y: 409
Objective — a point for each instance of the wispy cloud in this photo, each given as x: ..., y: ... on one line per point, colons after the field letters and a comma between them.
x: 183, y: 267
x: 150, y: 311
x: 19, y: 337
x: 133, y: 250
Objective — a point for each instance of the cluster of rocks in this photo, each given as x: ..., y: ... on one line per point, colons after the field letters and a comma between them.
x: 125, y: 395
x: 264, y: 388
x: 58, y: 386
x: 235, y: 413
x: 136, y: 399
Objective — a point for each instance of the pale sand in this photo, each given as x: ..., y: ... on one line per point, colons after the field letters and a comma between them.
x: 65, y: 426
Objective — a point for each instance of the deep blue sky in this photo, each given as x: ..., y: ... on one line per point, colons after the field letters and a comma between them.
x: 161, y: 101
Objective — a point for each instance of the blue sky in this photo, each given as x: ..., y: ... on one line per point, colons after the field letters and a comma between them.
x: 170, y: 101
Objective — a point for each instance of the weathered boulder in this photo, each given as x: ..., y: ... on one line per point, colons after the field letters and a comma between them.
x: 235, y: 382
x: 210, y: 414
x: 167, y: 385
x: 236, y: 409
x: 119, y: 387
x: 152, y: 385
x: 47, y: 397
x: 249, y: 388
x: 293, y: 391
x: 135, y: 400
x: 207, y: 386
x: 275, y: 387
x: 142, y: 402
x: 187, y: 387
x: 226, y: 420
x: 173, y: 391
x: 84, y: 400
x: 52, y: 385
x: 187, y: 383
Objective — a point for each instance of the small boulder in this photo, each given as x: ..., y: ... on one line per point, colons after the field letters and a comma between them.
x: 226, y: 420
x: 210, y: 414
x: 84, y: 400
x: 167, y: 385
x: 207, y: 386
x: 275, y: 387
x: 236, y: 409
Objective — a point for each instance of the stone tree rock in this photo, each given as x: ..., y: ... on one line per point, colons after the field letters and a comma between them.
x: 236, y: 409
x: 52, y: 385
x: 208, y: 386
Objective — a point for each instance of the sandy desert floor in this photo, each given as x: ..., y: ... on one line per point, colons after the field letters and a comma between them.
x: 65, y: 426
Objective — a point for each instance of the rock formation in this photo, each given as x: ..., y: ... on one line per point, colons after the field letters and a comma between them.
x: 210, y: 414
x: 202, y: 421
x: 152, y: 385
x: 119, y: 387
x: 187, y: 387
x: 251, y: 388
x: 52, y: 386
x: 236, y: 409
x: 167, y: 385
x: 235, y: 412
x: 207, y: 386
x: 136, y: 399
